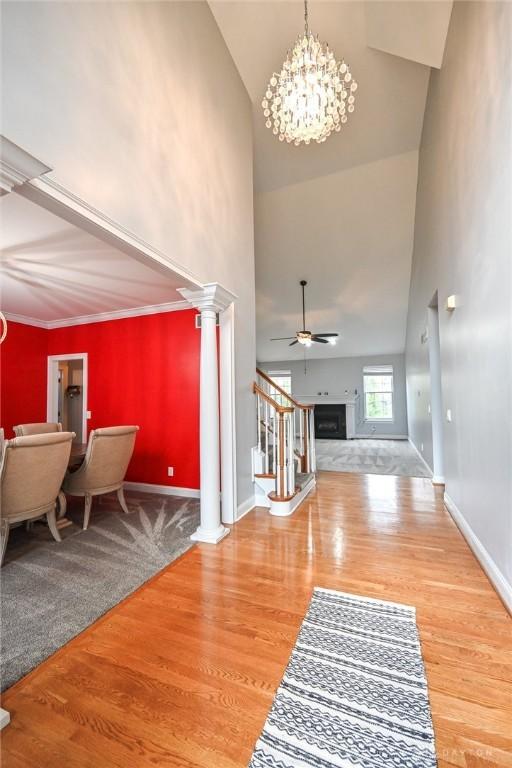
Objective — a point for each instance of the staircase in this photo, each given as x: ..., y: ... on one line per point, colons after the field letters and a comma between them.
x: 284, y: 460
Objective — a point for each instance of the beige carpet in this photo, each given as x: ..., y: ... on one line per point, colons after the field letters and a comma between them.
x: 51, y: 591
x: 375, y: 457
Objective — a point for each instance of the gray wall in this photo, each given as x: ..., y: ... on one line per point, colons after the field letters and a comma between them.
x: 463, y: 246
x: 335, y: 375
x: 140, y: 111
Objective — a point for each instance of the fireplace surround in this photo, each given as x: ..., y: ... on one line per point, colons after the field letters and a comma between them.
x: 330, y: 421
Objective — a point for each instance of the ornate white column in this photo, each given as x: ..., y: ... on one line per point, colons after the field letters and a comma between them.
x: 209, y: 300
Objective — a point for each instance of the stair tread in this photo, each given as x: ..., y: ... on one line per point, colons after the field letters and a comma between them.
x: 303, y: 478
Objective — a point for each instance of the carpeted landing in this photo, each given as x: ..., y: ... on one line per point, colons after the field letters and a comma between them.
x: 370, y: 456
x: 51, y: 591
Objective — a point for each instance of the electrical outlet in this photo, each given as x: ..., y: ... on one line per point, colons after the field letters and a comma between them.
x: 170, y: 471
x: 88, y: 415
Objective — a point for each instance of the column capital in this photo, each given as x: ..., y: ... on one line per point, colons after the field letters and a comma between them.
x: 211, y: 296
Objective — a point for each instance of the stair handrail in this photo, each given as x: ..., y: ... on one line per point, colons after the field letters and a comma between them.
x: 304, y: 424
x: 282, y: 391
x: 279, y: 440
x: 270, y: 400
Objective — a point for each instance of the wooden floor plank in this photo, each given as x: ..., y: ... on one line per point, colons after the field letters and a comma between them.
x: 183, y: 672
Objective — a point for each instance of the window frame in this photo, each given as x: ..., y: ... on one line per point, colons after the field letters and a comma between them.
x: 379, y: 370
x: 281, y: 374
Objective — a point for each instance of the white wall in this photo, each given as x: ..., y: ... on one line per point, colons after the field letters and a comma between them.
x: 350, y: 235
x: 335, y: 375
x: 139, y: 110
x: 463, y: 246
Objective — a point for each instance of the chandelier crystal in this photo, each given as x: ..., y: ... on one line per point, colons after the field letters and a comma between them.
x: 313, y: 94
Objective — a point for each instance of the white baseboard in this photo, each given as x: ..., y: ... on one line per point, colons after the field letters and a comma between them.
x: 422, y: 459
x: 245, y: 507
x: 376, y: 436
x: 192, y: 493
x: 261, y: 500
x: 286, y: 508
x: 167, y: 490
x: 495, y: 576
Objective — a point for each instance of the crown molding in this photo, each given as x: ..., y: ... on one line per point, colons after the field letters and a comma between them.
x: 19, y: 169
x: 212, y: 296
x: 17, y: 166
x: 55, y: 198
x: 99, y: 317
x: 24, y: 320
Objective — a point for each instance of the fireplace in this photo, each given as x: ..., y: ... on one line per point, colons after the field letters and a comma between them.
x: 330, y: 422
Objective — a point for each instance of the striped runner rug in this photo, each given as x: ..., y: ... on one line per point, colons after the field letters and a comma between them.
x: 354, y: 692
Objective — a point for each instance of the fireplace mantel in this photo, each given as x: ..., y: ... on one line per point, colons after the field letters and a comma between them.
x: 332, y: 399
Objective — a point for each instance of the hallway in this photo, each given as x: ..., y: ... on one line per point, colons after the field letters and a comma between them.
x: 183, y: 672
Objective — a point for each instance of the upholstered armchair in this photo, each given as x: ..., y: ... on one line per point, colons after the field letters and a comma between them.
x: 37, y: 429
x: 108, y: 454
x: 31, y: 472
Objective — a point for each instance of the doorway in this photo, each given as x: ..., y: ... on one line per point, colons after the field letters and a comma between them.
x: 436, y: 398
x: 67, y: 393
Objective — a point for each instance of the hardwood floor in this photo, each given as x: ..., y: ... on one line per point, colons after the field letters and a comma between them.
x: 183, y: 672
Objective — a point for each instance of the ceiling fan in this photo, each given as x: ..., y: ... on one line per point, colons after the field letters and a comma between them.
x: 304, y: 337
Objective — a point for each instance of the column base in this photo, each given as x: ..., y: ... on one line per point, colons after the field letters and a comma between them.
x: 210, y: 536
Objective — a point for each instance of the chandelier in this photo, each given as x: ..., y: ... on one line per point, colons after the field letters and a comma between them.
x: 313, y: 94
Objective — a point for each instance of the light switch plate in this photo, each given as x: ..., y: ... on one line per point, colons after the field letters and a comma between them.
x: 449, y: 414
x: 170, y: 471
x: 88, y: 415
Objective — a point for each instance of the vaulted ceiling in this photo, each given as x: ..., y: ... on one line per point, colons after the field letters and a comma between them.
x: 339, y: 214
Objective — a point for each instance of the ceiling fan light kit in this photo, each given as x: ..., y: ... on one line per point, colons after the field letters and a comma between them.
x: 304, y: 337
x: 312, y: 95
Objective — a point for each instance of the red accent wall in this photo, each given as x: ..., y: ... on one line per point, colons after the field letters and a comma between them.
x: 23, y: 374
x: 142, y: 370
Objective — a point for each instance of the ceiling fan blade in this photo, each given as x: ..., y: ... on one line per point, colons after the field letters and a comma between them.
x: 317, y: 338
x: 293, y: 342
x: 325, y: 335
x: 283, y: 338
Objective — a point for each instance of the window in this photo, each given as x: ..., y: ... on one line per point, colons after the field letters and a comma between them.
x: 283, y: 379
x: 378, y: 392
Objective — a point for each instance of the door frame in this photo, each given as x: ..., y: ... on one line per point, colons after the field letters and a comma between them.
x: 436, y: 390
x: 52, y: 388
x: 229, y: 504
